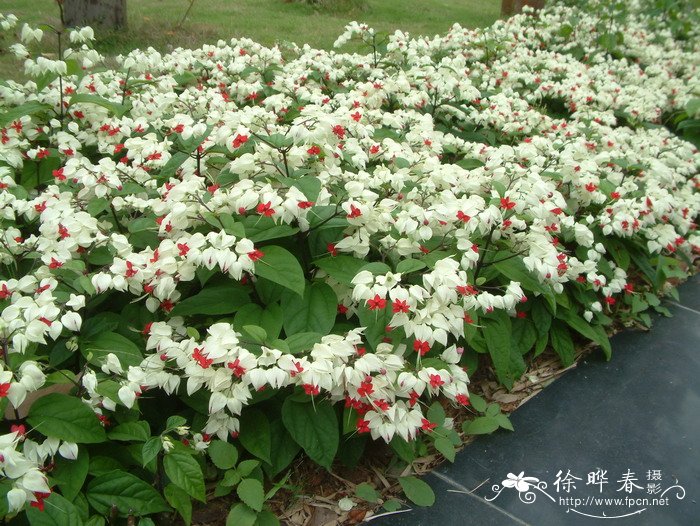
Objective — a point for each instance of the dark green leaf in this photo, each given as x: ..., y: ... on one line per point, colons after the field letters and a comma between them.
x: 417, y: 491
x: 255, y: 433
x: 214, y: 300
x: 314, y: 312
x: 67, y: 418
x: 314, y: 427
x: 184, y: 471
x: 223, y: 454
x: 251, y: 492
x: 96, y: 349
x: 179, y: 500
x: 127, y: 492
x: 280, y: 265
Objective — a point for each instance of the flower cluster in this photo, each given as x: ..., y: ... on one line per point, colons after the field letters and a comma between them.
x: 418, y: 191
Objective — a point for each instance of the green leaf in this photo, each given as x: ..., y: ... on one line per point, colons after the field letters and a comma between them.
x: 507, y: 361
x: 257, y: 334
x: 223, y: 454
x: 58, y: 512
x: 259, y: 229
x: 477, y: 402
x: 186, y: 148
x: 255, y: 433
x: 127, y: 492
x: 481, y: 425
x: 179, y: 500
x: 314, y: 427
x: 269, y: 319
x: 561, y: 343
x: 445, y: 447
x: 97, y: 348
x: 70, y: 474
x: 514, y: 269
x: 392, y: 505
x: 314, y: 312
x: 214, y: 300
x: 367, y: 492
x: 267, y: 518
x: 131, y: 431
x: 280, y: 265
x: 283, y: 449
x: 504, y: 421
x: 184, y: 471
x: 174, y: 422
x: 405, y: 450
x: 341, y: 268
x: 241, y: 515
x: 28, y: 108
x: 436, y: 413
x: 541, y: 318
x: 83, y: 98
x: 251, y: 492
x: 67, y: 418
x: 407, y: 266
x: 470, y: 164
x: 417, y: 491
x: 593, y: 333
x: 150, y: 449
x: 302, y: 341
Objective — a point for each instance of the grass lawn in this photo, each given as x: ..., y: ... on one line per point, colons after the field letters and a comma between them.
x: 155, y: 22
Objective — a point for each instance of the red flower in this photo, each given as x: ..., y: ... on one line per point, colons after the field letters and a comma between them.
x: 400, y: 306
x: 330, y: 247
x: 362, y: 425
x: 305, y: 204
x: 354, y: 212
x: 436, y: 380
x: 507, y: 204
x: 265, y: 209
x: 356, y: 116
x: 462, y: 399
x: 183, y: 248
x: 4, y: 389
x: 201, y: 358
x: 610, y: 300
x: 314, y: 150
x: 374, y: 149
x: 236, y: 367
x: 427, y: 425
x: 310, y: 389
x: 463, y: 217
x: 58, y: 174
x: 590, y: 187
x: 239, y: 140
x: 342, y: 309
x: 366, y: 388
x: 421, y: 347
x: 376, y: 303
x: 339, y: 131
x: 255, y: 254
x: 55, y: 264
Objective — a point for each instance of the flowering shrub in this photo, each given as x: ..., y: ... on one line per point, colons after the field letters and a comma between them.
x: 216, y: 258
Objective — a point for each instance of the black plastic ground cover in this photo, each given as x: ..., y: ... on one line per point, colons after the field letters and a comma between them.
x: 608, y: 443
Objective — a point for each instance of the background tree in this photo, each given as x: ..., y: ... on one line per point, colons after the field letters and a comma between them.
x: 512, y: 7
x: 109, y: 14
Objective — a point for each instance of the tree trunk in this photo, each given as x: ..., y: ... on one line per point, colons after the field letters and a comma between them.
x: 513, y: 7
x: 109, y: 14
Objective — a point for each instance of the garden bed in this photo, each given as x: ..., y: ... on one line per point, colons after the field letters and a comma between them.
x: 248, y: 273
